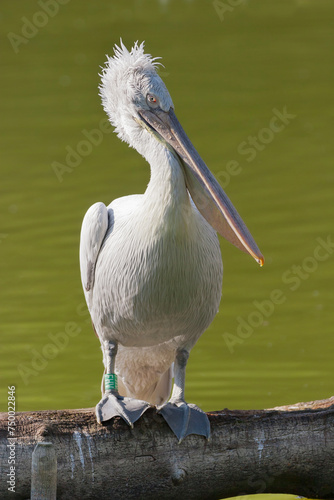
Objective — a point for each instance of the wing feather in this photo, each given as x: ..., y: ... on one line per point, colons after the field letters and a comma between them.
x: 93, y: 230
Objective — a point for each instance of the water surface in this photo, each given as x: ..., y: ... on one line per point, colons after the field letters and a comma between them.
x: 229, y: 78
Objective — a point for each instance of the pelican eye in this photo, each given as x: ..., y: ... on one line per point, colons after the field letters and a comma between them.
x: 152, y: 101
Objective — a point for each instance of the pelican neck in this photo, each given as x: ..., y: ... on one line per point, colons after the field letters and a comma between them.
x: 167, y: 184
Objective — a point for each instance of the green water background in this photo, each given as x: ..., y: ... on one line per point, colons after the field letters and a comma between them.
x: 229, y: 71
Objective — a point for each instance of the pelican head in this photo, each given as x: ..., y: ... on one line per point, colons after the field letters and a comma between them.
x: 139, y: 107
x: 128, y: 81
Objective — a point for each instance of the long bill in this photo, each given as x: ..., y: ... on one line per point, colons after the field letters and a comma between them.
x: 206, y: 192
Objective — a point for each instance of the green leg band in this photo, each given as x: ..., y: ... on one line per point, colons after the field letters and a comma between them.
x: 110, y: 382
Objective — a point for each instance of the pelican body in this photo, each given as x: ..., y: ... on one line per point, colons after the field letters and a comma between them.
x: 151, y: 264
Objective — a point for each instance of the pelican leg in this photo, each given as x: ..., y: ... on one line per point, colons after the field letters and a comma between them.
x: 112, y: 404
x: 183, y: 418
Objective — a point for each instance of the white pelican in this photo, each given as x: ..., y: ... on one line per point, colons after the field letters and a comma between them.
x: 151, y: 265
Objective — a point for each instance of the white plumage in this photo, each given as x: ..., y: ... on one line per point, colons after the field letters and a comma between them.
x: 151, y: 265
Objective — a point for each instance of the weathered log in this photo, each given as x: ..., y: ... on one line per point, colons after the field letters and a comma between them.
x: 283, y: 450
x: 44, y: 472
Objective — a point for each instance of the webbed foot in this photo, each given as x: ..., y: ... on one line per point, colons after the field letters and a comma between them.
x: 185, y: 419
x: 114, y: 405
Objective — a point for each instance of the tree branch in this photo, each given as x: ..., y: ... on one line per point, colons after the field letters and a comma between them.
x: 288, y: 449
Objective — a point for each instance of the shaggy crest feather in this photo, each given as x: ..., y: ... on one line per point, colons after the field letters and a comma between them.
x: 125, y: 77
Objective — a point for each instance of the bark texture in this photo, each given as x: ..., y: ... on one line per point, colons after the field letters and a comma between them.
x: 287, y: 449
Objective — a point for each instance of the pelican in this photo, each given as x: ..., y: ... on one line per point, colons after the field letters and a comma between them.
x: 151, y: 265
